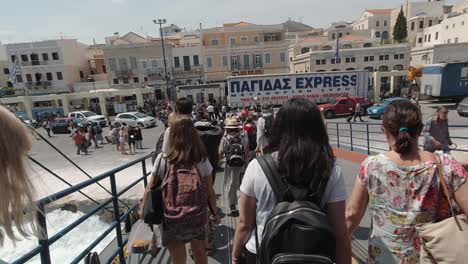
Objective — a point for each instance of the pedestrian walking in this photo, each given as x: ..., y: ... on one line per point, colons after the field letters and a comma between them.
x: 46, y: 124
x: 234, y: 147
x: 303, y: 159
x: 98, y: 131
x: 185, y: 213
x: 116, y: 136
x: 80, y: 142
x: 264, y: 124
x: 251, y: 130
x: 436, y: 132
x: 224, y: 111
x: 403, y: 190
x: 138, y: 137
x: 217, y: 116
x: 357, y: 112
x: 123, y: 139
x: 131, y: 139
x: 92, y: 135
x: 211, y: 111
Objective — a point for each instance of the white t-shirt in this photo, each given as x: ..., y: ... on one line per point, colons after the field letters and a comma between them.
x: 204, y: 167
x: 210, y: 109
x: 255, y: 184
x: 165, y: 146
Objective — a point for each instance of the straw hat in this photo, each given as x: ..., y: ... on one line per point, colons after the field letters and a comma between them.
x: 233, y: 123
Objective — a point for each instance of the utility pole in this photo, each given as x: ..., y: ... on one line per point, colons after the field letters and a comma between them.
x: 160, y: 22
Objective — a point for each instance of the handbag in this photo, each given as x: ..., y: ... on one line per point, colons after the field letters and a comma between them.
x: 153, y: 212
x: 446, y: 241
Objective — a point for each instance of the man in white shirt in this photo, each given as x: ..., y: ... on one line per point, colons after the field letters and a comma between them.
x: 263, y: 126
x: 210, y: 110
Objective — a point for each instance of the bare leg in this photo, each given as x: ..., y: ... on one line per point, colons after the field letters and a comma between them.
x: 199, y: 251
x: 177, y: 251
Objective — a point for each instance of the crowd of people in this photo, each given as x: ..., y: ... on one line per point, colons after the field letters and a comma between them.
x: 283, y: 167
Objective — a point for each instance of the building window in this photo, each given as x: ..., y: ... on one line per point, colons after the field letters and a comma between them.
x: 234, y: 63
x: 59, y: 76
x: 317, y: 62
x: 19, y: 78
x: 430, y: 23
x: 28, y: 77
x: 136, y: 80
x: 340, y: 35
x: 402, y: 56
x: 326, y: 48
x: 429, y: 38
x: 244, y: 39
x: 38, y: 76
x: 332, y: 61
x: 214, y: 42
x: 81, y: 74
x: 385, y: 23
x: 133, y: 63
x: 13, y: 58
x: 324, y: 61
x: 395, y: 57
x: 377, y: 23
x: 437, y: 36
x: 55, y: 56
x: 112, y: 64
x: 144, y: 64
x: 255, y: 39
x: 246, y: 62
x: 196, y: 62
x: 49, y: 76
x: 232, y: 41
x: 176, y: 62
x: 6, y: 71
x: 381, y: 57
x: 446, y: 27
x: 45, y: 56
x: 419, y: 40
x: 348, y: 60
x: 425, y: 38
x: 412, y: 26
x: 421, y: 24
x: 353, y: 59
x: 145, y: 79
x: 123, y: 64
x: 224, y: 61
x: 448, y: 41
x: 125, y: 80
x: 371, y: 58
x: 367, y: 45
x: 282, y: 57
x: 116, y: 81
x: 456, y: 40
x: 387, y: 57
x: 209, y: 62
x: 24, y: 57
x: 258, y: 61
x: 267, y: 58
x: 333, y: 35
x: 305, y: 50
x: 366, y: 58
x: 377, y: 34
x: 347, y: 46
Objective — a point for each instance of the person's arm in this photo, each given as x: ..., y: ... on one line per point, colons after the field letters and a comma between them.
x: 212, y: 199
x: 165, y: 146
x: 260, y: 128
x: 461, y: 198
x: 245, y: 225
x: 336, y: 218
x: 356, y: 207
x: 145, y: 195
x: 448, y: 135
x: 427, y: 134
x: 221, y: 148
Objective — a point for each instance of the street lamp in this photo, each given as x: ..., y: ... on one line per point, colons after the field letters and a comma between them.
x: 160, y: 22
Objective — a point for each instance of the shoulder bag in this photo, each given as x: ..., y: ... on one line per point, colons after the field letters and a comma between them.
x: 153, y: 212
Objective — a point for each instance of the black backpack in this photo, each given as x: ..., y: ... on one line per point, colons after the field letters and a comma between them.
x: 297, y: 230
x: 235, y: 153
x: 268, y: 123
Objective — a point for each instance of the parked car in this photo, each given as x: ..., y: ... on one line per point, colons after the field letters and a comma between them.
x: 378, y: 110
x: 462, y: 108
x: 135, y: 119
x: 62, y: 125
x: 89, y: 116
x: 345, y: 106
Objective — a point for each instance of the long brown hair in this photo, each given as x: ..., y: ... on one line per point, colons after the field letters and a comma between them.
x: 185, y: 145
x: 17, y: 206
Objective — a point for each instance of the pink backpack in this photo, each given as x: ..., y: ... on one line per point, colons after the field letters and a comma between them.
x: 185, y: 197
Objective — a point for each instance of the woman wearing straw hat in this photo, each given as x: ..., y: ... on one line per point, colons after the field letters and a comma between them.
x: 235, y: 148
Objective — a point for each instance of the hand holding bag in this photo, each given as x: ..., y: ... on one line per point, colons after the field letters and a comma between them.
x: 153, y: 212
x: 446, y: 241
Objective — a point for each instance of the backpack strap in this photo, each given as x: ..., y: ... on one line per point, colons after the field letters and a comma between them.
x: 269, y: 167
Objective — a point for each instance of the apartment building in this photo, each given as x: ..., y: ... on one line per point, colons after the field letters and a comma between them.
x: 4, y: 68
x: 134, y: 61
x: 374, y: 23
x: 338, y: 30
x: 187, y: 62
x: 50, y: 66
x: 244, y: 48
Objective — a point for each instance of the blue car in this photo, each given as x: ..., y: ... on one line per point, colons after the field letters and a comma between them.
x: 378, y: 110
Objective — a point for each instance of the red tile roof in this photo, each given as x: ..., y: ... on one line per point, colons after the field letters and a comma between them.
x: 379, y: 11
x: 354, y: 38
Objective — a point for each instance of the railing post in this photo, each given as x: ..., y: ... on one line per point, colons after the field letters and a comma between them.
x: 368, y: 140
x: 337, y: 135
x: 351, y: 135
x: 117, y: 218
x: 44, y: 240
x: 145, y: 179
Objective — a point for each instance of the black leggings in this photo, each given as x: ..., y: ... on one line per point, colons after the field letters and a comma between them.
x: 249, y: 257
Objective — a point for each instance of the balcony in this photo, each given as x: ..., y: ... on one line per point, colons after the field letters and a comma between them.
x: 35, y: 63
x: 123, y: 73
x: 188, y: 69
x: 37, y: 85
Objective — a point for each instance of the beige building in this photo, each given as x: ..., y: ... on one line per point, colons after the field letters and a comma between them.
x: 50, y: 66
x: 203, y: 93
x: 244, y: 49
x: 374, y: 23
x: 134, y: 61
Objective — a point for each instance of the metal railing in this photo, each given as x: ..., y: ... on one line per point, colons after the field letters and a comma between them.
x: 369, y: 137
x: 43, y: 249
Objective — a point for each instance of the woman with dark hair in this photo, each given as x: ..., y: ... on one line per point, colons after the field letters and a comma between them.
x: 300, y: 146
x: 402, y: 189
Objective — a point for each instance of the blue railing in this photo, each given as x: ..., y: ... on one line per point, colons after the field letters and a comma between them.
x: 369, y: 137
x: 45, y: 241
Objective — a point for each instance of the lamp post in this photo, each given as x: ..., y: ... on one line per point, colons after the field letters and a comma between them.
x: 160, y: 22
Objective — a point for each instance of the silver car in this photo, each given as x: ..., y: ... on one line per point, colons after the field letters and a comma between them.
x: 135, y: 119
x: 462, y: 108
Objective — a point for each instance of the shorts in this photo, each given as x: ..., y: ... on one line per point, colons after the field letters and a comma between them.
x: 182, y: 236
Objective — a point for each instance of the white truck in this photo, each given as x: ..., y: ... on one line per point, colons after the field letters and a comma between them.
x: 89, y: 116
x: 275, y: 89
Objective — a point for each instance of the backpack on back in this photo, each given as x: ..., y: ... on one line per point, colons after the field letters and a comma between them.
x: 235, y: 153
x: 297, y: 229
x: 268, y: 124
x: 185, y: 197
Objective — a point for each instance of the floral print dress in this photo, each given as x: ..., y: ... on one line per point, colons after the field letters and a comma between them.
x: 402, y: 197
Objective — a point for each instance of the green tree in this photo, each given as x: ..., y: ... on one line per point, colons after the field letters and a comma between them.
x: 8, y: 90
x: 400, y: 30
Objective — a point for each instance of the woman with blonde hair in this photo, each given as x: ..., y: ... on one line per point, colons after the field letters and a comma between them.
x: 185, y: 172
x: 16, y: 190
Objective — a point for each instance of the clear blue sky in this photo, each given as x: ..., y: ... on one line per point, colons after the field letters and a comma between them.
x: 31, y: 20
